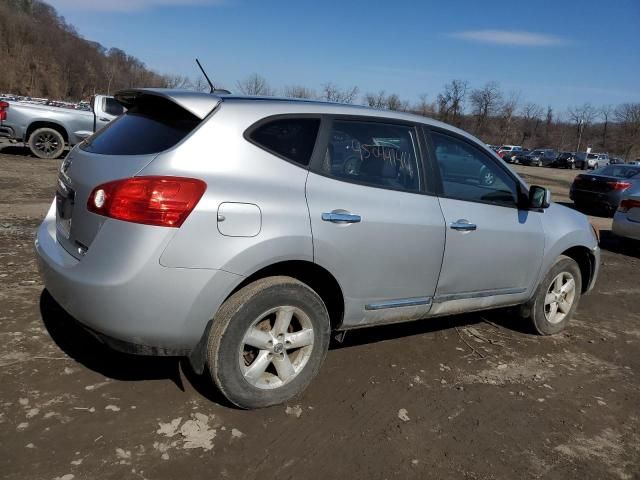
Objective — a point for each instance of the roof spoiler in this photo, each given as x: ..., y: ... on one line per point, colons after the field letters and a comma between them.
x: 199, y: 104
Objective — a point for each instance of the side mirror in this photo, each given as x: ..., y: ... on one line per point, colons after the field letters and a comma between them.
x: 539, y: 197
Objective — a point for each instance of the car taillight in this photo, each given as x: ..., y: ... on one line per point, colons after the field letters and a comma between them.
x: 4, y: 106
x: 619, y: 185
x: 626, y: 205
x: 160, y: 201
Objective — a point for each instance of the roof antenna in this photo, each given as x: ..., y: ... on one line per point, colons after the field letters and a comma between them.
x: 206, y: 76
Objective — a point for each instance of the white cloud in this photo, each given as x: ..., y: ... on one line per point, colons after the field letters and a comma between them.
x: 518, y: 38
x: 127, y: 5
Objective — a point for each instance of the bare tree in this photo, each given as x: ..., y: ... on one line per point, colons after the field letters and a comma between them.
x: 581, y: 117
x: 255, y: 84
x: 606, y: 112
x: 485, y: 102
x: 298, y: 91
x: 376, y: 100
x: 423, y: 107
x: 177, y: 81
x: 333, y: 93
x: 628, y: 116
x: 507, y: 114
x: 451, y: 101
x: 531, y: 114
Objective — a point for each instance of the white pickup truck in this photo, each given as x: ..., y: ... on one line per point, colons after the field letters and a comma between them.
x: 46, y: 130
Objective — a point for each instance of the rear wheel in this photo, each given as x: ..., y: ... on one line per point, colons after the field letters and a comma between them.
x: 556, y: 298
x: 46, y: 143
x: 268, y: 342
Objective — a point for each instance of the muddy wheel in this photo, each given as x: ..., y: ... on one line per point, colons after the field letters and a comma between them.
x: 557, y: 297
x: 268, y: 342
x: 46, y: 143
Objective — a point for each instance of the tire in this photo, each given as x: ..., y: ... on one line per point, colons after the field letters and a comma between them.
x: 46, y: 143
x: 487, y: 177
x: 249, y: 315
x: 540, y: 309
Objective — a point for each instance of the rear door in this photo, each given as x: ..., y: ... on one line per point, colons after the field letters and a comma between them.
x: 493, y: 250
x: 375, y: 227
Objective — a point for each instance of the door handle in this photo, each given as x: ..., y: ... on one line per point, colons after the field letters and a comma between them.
x: 336, y: 217
x: 463, y: 225
x: 104, y: 119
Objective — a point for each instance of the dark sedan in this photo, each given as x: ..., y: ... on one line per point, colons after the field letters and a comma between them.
x: 604, y: 187
x: 541, y: 157
x: 565, y: 160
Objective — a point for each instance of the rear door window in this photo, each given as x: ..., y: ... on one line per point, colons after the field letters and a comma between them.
x: 151, y: 125
x: 374, y: 154
x: 112, y: 107
x: 290, y: 138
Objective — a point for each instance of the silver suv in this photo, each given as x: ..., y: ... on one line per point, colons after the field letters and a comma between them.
x: 241, y: 232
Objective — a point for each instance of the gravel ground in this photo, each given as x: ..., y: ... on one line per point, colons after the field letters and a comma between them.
x: 474, y: 396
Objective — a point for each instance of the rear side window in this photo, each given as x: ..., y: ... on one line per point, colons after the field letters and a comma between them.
x: 290, y: 138
x: 152, y: 125
x: 112, y: 107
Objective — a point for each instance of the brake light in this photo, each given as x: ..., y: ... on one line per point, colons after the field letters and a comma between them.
x: 160, y: 201
x: 619, y: 185
x: 4, y: 106
x: 626, y: 205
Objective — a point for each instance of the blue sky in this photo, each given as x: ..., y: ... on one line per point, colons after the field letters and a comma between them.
x: 557, y: 53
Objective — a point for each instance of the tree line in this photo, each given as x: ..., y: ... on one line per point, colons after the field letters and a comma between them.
x: 495, y: 116
x: 44, y: 56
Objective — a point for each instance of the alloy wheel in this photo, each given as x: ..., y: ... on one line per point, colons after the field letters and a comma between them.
x: 559, y: 298
x: 276, y: 347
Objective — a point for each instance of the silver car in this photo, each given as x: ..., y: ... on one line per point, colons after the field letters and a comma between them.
x: 241, y: 232
x: 626, y: 220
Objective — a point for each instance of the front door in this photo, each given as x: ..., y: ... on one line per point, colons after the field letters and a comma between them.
x: 493, y: 249
x: 373, y: 225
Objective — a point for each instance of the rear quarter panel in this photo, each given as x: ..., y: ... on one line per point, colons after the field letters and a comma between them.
x: 236, y: 171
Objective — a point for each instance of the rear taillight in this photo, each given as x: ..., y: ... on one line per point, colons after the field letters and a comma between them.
x: 4, y: 106
x: 619, y: 185
x: 160, y: 201
x: 626, y: 205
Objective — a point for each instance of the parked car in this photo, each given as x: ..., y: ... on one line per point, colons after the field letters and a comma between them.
x: 47, y: 129
x: 565, y: 160
x: 597, y: 160
x: 616, y: 161
x: 508, y: 149
x: 541, y: 157
x: 512, y: 157
x: 216, y: 227
x: 634, y: 162
x: 626, y: 220
x: 604, y: 187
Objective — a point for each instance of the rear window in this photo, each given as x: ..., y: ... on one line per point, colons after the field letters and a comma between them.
x: 619, y: 171
x: 290, y: 138
x: 152, y: 125
x: 112, y: 107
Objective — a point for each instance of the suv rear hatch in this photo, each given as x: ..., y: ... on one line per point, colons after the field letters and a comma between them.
x: 155, y: 121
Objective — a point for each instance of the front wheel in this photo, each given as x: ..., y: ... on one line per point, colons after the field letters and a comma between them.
x: 557, y: 297
x: 268, y: 342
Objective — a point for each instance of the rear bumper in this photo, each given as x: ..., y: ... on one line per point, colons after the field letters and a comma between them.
x: 595, y: 199
x: 623, y: 227
x: 129, y: 300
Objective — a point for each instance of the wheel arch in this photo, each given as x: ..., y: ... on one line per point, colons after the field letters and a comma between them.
x: 316, y: 277
x: 586, y: 261
x: 46, y: 124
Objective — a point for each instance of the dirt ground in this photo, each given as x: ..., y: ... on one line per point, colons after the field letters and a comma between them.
x: 473, y: 397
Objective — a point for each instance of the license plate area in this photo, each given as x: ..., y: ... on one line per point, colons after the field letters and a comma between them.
x: 65, y: 200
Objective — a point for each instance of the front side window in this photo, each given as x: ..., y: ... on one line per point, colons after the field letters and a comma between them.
x: 469, y: 174
x: 375, y: 154
x: 291, y: 138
